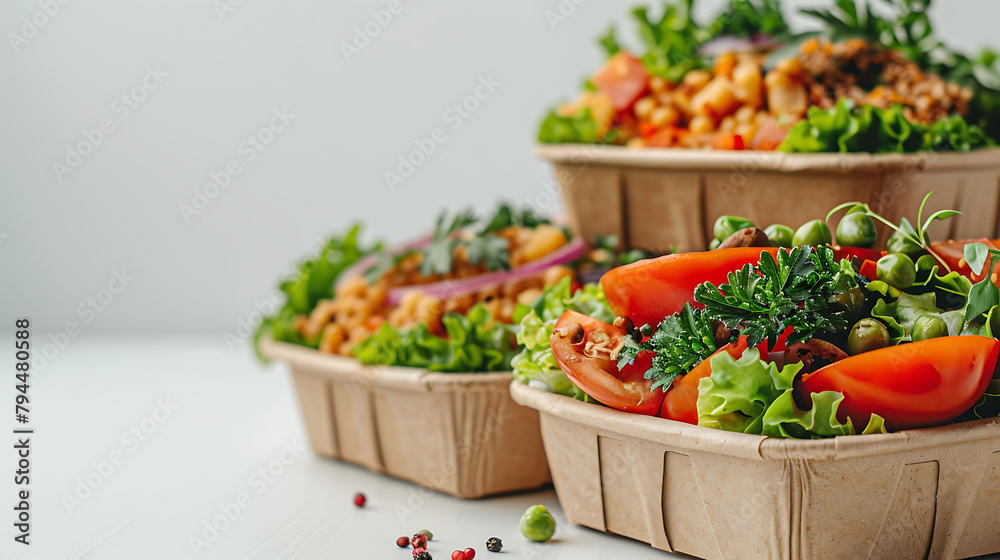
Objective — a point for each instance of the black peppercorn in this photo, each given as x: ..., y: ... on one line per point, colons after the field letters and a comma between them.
x: 422, y: 555
x: 494, y: 544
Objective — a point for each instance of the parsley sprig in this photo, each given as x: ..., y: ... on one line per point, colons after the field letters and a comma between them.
x: 485, y: 247
x: 680, y: 342
x: 797, y: 290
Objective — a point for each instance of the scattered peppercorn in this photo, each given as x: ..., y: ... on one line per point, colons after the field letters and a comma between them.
x: 359, y: 499
x: 494, y: 544
x: 419, y: 541
x: 421, y: 554
x: 403, y: 542
x: 430, y: 535
x: 469, y: 553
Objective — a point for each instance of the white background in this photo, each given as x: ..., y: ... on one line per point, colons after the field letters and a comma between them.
x: 61, y: 240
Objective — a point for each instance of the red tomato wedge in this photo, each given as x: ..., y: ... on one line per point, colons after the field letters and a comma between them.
x: 681, y: 402
x: 623, y: 78
x: 647, y: 291
x: 913, y: 385
x: 953, y: 253
x: 862, y: 253
x: 589, y: 365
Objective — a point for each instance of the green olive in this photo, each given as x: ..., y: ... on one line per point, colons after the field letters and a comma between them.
x: 779, y: 235
x: 867, y: 335
x: 726, y: 226
x: 815, y: 233
x: 858, y: 208
x: 899, y: 243
x: 896, y: 270
x: 714, y: 245
x: 537, y: 524
x: 929, y: 326
x: 856, y: 230
x: 851, y: 299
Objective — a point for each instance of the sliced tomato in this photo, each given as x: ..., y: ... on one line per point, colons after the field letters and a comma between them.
x: 913, y: 385
x: 647, y: 291
x: 728, y: 142
x: 623, y: 78
x: 589, y: 365
x: 681, y: 402
x: 953, y: 253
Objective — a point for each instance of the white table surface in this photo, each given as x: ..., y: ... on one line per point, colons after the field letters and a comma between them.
x: 233, y: 416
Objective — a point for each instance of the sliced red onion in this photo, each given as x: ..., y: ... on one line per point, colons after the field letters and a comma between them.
x: 365, y: 264
x: 451, y: 288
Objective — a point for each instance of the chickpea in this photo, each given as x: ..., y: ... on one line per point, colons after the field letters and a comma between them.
x: 791, y: 66
x: 701, y: 124
x: 333, y: 337
x: 748, y: 83
x: 527, y: 297
x: 345, y: 349
x: 544, y: 239
x: 716, y: 100
x: 429, y: 311
x: 664, y: 116
x: 644, y: 107
x: 744, y: 114
x: 635, y: 143
x: 727, y: 124
x: 355, y: 287
x: 697, y: 79
x: 658, y: 84
x: 747, y: 131
x: 554, y: 274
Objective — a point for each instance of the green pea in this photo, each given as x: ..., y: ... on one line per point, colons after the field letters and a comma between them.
x: 726, y: 226
x: 867, y: 335
x: 537, y: 524
x: 927, y: 327
x: 856, y: 230
x: 779, y: 235
x: 714, y: 245
x: 815, y: 233
x: 896, y: 270
x: 900, y: 243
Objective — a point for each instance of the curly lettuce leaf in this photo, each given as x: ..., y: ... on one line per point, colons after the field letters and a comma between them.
x: 535, y: 364
x: 739, y: 391
x: 580, y: 128
x: 847, y: 128
x: 752, y: 396
x: 474, y: 343
x: 313, y: 281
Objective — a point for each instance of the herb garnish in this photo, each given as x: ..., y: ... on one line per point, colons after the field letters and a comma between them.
x: 799, y: 290
x: 680, y: 342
